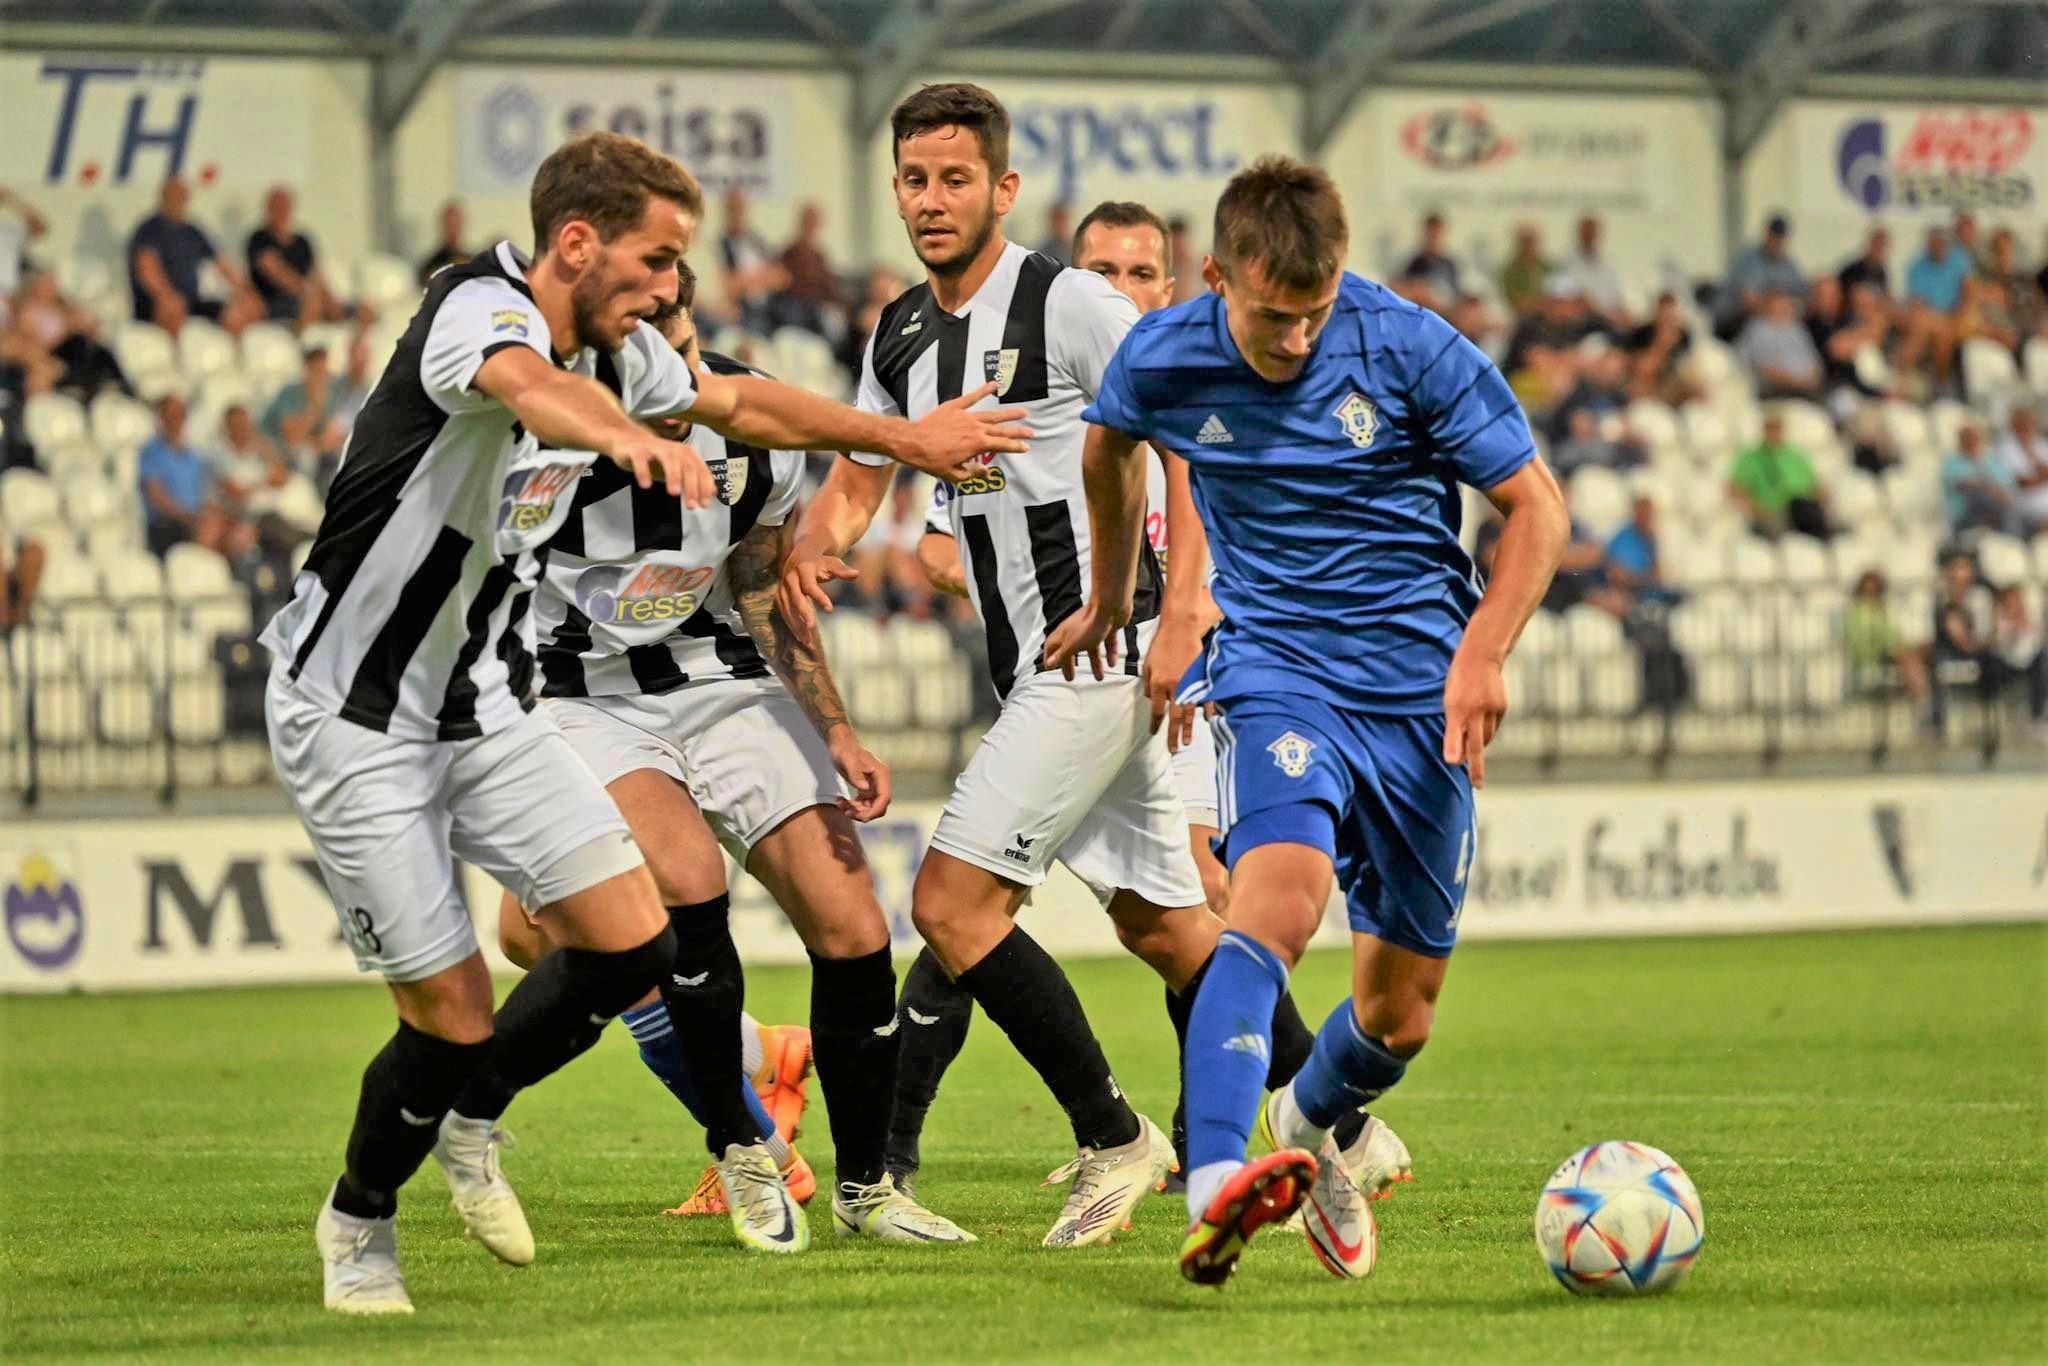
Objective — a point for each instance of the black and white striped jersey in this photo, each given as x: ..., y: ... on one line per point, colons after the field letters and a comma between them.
x: 635, y: 597
x: 409, y: 617
x: 1044, y: 333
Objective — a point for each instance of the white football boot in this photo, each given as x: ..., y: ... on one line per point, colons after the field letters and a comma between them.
x: 1338, y: 1219
x: 1378, y: 1160
x: 360, y: 1263
x: 468, y: 1153
x: 888, y: 1214
x: 765, y: 1216
x: 1107, y: 1186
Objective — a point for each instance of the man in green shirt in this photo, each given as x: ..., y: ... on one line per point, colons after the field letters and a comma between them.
x: 1773, y: 482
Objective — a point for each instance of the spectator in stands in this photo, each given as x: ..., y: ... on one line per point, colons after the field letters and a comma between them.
x: 1579, y: 443
x: 883, y: 286
x: 20, y: 225
x: 1635, y: 564
x: 1973, y: 626
x: 1985, y: 315
x: 1779, y: 351
x: 1543, y: 358
x: 2021, y: 648
x: 55, y: 340
x: 1657, y: 354
x: 1977, y: 487
x: 1876, y: 647
x: 1964, y: 231
x: 1872, y: 267
x: 2022, y: 296
x: 1521, y: 279
x: 304, y: 419
x: 1936, y: 277
x: 1478, y: 324
x: 21, y: 568
x: 167, y: 256
x: 752, y: 274
x: 1601, y: 388
x: 1186, y: 263
x: 1432, y: 266
x: 886, y: 557
x: 255, y: 484
x: 1059, y: 234
x: 811, y: 298
x: 284, y: 267
x: 1759, y: 272
x: 450, y: 250
x: 1582, y: 577
x: 1840, y: 334
x: 353, y: 390
x: 1599, y: 282
x: 179, y: 500
x: 1774, y: 484
x: 2024, y: 453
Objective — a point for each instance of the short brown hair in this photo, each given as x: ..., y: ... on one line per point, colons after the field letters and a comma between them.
x: 1286, y: 215
x: 606, y: 180
x: 955, y: 105
x: 1124, y: 213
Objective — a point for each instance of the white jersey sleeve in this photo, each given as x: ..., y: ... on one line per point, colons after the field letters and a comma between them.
x: 872, y: 398
x: 656, y: 380
x: 478, y: 319
x: 1086, y: 318
x: 783, y: 493
x: 938, y: 514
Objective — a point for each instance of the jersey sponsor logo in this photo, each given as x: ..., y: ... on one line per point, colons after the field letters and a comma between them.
x: 731, y: 476
x: 1291, y: 753
x: 531, y: 495
x: 639, y: 594
x: 999, y: 368
x: 1022, y: 852
x: 509, y: 322
x: 990, y: 480
x: 1360, y: 420
x: 1212, y: 432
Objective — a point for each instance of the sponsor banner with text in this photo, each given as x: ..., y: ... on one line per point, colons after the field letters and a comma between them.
x: 1922, y: 162
x: 180, y: 902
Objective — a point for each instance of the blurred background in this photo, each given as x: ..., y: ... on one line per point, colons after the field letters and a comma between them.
x: 1768, y: 275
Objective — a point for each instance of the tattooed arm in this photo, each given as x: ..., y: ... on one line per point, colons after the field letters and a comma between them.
x: 756, y: 569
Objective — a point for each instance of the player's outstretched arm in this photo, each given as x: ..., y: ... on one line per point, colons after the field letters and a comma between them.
x: 1532, y: 541
x: 568, y: 410
x: 944, y: 442
x: 755, y: 566
x: 939, y: 557
x: 1188, y: 609
x: 838, y: 517
x: 1114, y: 476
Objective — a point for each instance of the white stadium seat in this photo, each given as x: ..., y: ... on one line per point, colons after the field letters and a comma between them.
x: 1654, y: 423
x: 50, y: 420
x: 145, y: 350
x: 192, y: 572
x: 1989, y: 370
x: 1754, y: 561
x: 1804, y: 560
x: 112, y: 535
x: 1908, y: 430
x: 134, y: 576
x: 119, y: 423
x: 27, y: 498
x: 72, y: 458
x: 2003, y: 560
x: 387, y: 284
x: 205, y: 350
x: 1599, y: 500
x: 1855, y: 498
x: 271, y: 357
x: 2034, y: 360
x: 68, y: 579
x: 2040, y: 544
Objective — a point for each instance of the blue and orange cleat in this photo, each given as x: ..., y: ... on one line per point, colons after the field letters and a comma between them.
x: 1266, y: 1190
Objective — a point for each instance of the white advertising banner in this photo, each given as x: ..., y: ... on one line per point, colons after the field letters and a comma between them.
x: 180, y: 902
x: 1921, y: 162
x: 728, y: 129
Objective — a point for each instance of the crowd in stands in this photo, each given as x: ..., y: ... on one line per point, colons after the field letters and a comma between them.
x: 1837, y: 404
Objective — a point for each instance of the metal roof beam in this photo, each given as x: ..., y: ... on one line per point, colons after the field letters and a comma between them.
x: 651, y: 16
x: 1695, y: 47
x: 1123, y: 25
x: 1357, y: 52
x: 1259, y: 28
x: 427, y: 32
x: 906, y: 40
x: 1009, y: 15
x: 1786, y: 53
x: 818, y: 24
x: 1898, y: 33
x: 1472, y: 21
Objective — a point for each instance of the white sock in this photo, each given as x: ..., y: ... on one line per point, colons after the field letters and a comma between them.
x: 1291, y: 1127
x: 752, y: 1053
x: 778, y: 1148
x: 1203, y: 1183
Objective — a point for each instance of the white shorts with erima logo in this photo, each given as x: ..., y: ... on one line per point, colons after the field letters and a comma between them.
x: 1194, y: 773
x: 1071, y: 771
x: 743, y: 747
x: 389, y: 816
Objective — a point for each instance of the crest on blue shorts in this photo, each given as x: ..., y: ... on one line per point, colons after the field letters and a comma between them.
x: 1291, y: 752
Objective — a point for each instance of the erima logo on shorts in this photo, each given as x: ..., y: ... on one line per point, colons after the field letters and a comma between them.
x: 1022, y: 851
x: 650, y: 592
x: 1292, y: 753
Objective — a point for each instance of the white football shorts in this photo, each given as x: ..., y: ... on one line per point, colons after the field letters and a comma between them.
x: 1194, y: 773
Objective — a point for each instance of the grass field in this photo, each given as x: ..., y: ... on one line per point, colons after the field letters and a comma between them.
x: 1866, y: 1116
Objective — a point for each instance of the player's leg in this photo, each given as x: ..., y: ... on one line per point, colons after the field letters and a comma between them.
x: 936, y: 1011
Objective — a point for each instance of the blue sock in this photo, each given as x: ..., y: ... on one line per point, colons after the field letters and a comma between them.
x: 656, y: 1035
x: 1230, y: 1043
x: 1346, y: 1070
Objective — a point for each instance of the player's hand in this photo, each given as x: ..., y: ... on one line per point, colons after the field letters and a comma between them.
x: 1172, y: 652
x: 1475, y: 700
x: 864, y: 773
x: 1092, y: 631
x: 949, y: 441
x: 802, y: 590
x: 678, y: 467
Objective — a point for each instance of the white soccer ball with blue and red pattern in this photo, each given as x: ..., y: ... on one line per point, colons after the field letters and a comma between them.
x: 1619, y: 1219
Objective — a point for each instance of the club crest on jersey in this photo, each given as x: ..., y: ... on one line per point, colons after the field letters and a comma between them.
x: 1291, y: 753
x: 1360, y: 419
x: 509, y: 320
x: 531, y: 494
x: 641, y: 594
x: 731, y: 476
x: 1000, y: 367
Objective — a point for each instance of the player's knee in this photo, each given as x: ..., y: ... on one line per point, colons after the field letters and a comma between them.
x: 846, y: 935
x: 1401, y: 1025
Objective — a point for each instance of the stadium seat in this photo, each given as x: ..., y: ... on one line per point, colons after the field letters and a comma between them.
x: 2040, y: 545
x: 215, y: 617
x: 68, y: 579
x: 1945, y: 421
x: 51, y: 420
x: 27, y: 498
x: 1655, y: 424
x: 1754, y: 562
x: 205, y: 350
x: 120, y: 424
x: 194, y: 573
x: 1599, y: 500
x: 1610, y: 681
x: 144, y: 349
x: 1908, y: 430
x: 1807, y: 425
x: 941, y: 697
x: 2035, y: 363
x: 2003, y: 560
x: 387, y: 284
x: 134, y: 576
x: 1913, y: 493
x: 1713, y: 364
x: 88, y: 496
x: 72, y: 458
x: 299, y: 554
x: 1989, y: 370
x: 111, y: 536
x: 1699, y: 565
x: 1856, y: 554
x: 94, y: 282
x: 1855, y: 498
x: 1804, y: 560
x: 125, y: 709
x: 1707, y: 435
x: 333, y: 338
x: 1872, y: 368
x: 271, y: 357
x: 879, y: 699
x: 197, y: 706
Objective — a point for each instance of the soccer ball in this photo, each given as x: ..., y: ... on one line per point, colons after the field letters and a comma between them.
x: 1619, y: 1219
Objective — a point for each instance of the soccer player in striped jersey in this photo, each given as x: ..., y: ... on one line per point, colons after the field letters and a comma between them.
x: 712, y: 724
x: 1357, y: 673
x: 399, y: 705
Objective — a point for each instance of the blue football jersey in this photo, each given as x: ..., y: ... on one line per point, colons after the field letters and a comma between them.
x: 1331, y: 500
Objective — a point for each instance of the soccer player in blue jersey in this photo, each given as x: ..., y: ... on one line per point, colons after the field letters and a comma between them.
x: 1356, y: 675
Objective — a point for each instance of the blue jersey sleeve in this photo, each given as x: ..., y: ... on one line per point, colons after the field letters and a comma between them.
x: 1471, y: 414
x: 1116, y: 405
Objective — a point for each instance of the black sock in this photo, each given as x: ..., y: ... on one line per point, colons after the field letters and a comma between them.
x: 704, y: 994
x: 1031, y: 1000
x: 1348, y: 1127
x: 853, y: 1005
x: 936, y: 1011
x: 407, y: 1087
x: 1179, y: 1006
x: 558, y: 1011
x: 1293, y: 1041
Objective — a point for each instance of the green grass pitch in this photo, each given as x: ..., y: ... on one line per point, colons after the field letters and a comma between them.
x: 1866, y: 1116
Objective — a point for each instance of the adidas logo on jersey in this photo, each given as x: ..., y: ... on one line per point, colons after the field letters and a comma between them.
x: 1212, y: 432
x: 1252, y: 1044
